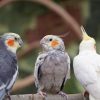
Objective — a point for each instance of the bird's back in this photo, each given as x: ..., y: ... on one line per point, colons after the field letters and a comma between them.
x: 85, y: 68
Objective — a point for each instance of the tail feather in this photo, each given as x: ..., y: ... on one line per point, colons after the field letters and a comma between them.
x: 2, y: 94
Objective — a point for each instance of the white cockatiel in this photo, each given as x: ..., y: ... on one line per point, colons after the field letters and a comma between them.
x: 87, y: 66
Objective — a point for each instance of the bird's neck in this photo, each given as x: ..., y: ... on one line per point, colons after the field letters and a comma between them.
x: 85, y: 48
x: 12, y: 49
x: 54, y: 50
x: 87, y: 51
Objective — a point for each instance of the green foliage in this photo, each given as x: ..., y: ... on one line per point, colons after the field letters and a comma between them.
x: 18, y: 16
x: 73, y: 86
x: 27, y: 63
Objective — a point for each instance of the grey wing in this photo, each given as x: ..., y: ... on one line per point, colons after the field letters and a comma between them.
x: 38, y: 64
x: 2, y: 90
x: 67, y: 64
x: 67, y: 76
x: 11, y: 83
x: 6, y: 72
x: 4, y: 78
x: 2, y: 93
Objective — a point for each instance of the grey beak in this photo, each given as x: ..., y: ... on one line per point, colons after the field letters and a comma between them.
x: 20, y: 42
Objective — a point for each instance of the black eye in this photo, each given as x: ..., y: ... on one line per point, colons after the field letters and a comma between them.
x: 50, y: 39
x: 16, y: 39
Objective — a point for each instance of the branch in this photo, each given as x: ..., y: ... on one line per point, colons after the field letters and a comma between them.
x: 30, y: 47
x: 69, y: 21
x: 48, y: 97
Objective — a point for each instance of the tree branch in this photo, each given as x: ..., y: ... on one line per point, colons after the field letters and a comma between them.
x: 48, y: 97
x: 69, y: 21
x: 30, y: 47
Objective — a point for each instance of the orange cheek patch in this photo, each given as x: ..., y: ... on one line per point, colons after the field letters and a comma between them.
x: 54, y: 43
x: 10, y: 42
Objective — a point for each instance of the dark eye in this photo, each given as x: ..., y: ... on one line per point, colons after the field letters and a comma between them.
x: 50, y: 39
x: 16, y: 39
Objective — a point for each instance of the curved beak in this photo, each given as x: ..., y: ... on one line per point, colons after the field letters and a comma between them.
x: 20, y: 42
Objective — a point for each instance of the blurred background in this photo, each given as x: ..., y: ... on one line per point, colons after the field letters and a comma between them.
x: 33, y: 19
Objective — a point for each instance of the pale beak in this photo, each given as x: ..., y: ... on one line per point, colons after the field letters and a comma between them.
x: 20, y: 42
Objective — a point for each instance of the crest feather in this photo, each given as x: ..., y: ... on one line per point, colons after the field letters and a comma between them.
x: 85, y: 35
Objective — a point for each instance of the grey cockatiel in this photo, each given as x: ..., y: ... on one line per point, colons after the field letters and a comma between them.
x: 52, y: 67
x: 9, y: 43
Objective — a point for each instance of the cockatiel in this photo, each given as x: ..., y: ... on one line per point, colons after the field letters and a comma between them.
x: 87, y: 66
x: 9, y: 43
x: 52, y: 67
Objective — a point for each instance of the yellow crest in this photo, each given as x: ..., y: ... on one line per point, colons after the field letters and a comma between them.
x: 85, y: 35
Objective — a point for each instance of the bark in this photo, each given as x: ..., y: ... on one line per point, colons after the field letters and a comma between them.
x: 48, y: 97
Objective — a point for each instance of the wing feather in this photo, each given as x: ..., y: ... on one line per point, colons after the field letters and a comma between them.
x: 37, y: 70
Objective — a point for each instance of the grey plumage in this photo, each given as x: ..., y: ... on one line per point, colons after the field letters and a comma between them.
x: 8, y: 69
x: 52, y: 69
x: 2, y: 93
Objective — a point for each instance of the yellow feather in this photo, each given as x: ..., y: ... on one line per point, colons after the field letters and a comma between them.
x: 85, y: 35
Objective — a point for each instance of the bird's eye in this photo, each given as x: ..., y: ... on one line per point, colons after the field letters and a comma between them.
x: 50, y: 39
x: 16, y: 39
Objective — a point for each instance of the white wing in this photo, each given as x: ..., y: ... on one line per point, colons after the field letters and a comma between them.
x: 39, y: 62
x: 84, y: 71
x: 98, y: 62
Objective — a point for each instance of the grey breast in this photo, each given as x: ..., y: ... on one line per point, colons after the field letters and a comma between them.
x: 53, y: 72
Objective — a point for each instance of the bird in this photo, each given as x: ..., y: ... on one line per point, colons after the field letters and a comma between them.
x: 87, y: 66
x: 52, y: 67
x: 9, y: 43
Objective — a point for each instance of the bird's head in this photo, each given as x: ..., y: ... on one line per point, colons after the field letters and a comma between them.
x: 52, y: 42
x: 88, y: 43
x: 12, y: 41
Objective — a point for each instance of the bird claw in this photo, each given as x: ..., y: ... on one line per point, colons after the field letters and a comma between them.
x: 43, y: 94
x: 86, y: 95
x: 63, y: 94
x: 7, y: 97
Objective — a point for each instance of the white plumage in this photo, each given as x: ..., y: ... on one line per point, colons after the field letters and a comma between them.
x: 87, y: 66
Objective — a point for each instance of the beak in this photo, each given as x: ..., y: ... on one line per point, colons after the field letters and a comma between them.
x: 20, y: 42
x: 54, y: 43
x: 85, y: 35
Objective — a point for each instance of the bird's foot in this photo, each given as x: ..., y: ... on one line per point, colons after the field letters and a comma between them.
x: 43, y: 94
x: 7, y: 97
x: 86, y: 95
x: 63, y: 94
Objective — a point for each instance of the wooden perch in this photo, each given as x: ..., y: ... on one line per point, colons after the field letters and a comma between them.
x: 49, y: 97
